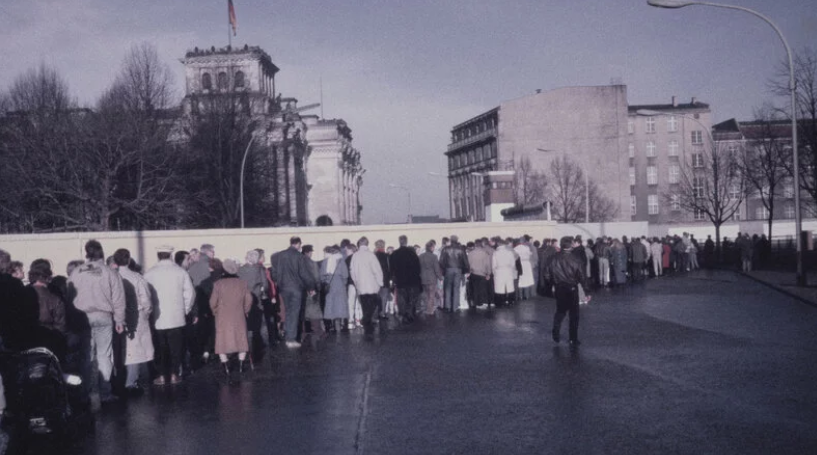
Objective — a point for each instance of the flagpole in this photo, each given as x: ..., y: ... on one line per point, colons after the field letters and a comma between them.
x: 229, y: 25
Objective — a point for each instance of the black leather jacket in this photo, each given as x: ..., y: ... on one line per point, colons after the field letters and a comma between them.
x: 454, y: 257
x: 565, y: 268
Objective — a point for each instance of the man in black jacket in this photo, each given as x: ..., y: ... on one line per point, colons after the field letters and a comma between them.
x: 566, y: 272
x: 405, y: 269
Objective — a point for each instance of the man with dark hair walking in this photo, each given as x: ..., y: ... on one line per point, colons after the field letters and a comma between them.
x: 566, y: 272
x: 293, y: 276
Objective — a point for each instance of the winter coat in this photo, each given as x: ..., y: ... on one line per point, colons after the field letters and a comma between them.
x: 99, y: 290
x: 503, y: 264
x: 430, y: 271
x: 290, y: 271
x: 639, y: 252
x: 383, y: 257
x: 139, y: 349
x: 199, y: 270
x: 337, y: 306
x: 656, y: 251
x: 52, y: 309
x: 480, y: 262
x: 366, y: 272
x: 667, y: 255
x: 405, y: 267
x: 231, y: 302
x: 618, y: 263
x: 173, y: 294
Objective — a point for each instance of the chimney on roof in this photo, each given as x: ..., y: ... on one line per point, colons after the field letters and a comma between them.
x: 694, y: 101
x: 674, y: 101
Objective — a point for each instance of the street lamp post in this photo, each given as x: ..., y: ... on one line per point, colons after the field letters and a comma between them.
x: 408, y: 192
x: 798, y: 220
x: 241, y: 180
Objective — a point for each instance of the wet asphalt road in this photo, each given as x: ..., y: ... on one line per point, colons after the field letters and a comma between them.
x: 704, y: 364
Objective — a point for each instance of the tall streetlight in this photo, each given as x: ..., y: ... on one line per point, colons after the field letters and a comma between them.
x: 241, y: 180
x: 798, y: 221
x: 586, y: 189
x: 408, y: 191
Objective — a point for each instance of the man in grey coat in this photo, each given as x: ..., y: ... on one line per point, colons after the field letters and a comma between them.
x: 293, y: 275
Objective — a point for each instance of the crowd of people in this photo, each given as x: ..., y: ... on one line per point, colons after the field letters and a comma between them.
x: 108, y: 319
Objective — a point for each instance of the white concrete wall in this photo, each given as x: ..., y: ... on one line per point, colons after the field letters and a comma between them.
x: 595, y: 230
x: 234, y: 243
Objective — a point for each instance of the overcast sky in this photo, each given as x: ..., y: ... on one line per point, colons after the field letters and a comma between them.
x: 402, y: 73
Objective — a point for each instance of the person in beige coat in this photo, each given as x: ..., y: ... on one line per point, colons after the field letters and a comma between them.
x: 231, y: 301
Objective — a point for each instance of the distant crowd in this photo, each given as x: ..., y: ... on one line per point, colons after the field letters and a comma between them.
x: 107, y: 318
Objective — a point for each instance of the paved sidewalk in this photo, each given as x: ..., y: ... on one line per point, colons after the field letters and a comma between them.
x: 785, y: 282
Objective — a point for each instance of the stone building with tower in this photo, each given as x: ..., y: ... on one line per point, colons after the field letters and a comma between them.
x: 314, y: 169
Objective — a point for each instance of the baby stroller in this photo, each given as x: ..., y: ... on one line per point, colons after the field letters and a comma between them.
x: 41, y: 400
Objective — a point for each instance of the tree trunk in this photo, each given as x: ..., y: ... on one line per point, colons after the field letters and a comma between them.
x: 718, y: 249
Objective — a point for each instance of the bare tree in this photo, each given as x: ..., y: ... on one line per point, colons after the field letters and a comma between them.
x: 531, y: 183
x: 94, y: 170
x: 805, y: 75
x: 766, y: 160
x: 568, y: 189
x: 711, y: 184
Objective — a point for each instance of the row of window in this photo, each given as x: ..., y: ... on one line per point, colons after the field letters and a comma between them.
x: 473, y: 129
x: 475, y: 155
x: 672, y: 146
x: 222, y: 81
x: 653, y: 208
x: 650, y: 124
x: 674, y: 175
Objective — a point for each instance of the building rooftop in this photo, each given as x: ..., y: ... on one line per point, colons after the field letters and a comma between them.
x: 668, y: 107
x: 247, y: 50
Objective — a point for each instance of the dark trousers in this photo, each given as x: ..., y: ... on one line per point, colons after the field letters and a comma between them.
x: 567, y: 302
x: 638, y: 271
x: 293, y: 300
x: 408, y: 299
x: 368, y: 304
x: 169, y: 346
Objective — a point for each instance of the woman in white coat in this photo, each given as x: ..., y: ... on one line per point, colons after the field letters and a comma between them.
x: 503, y: 264
x: 139, y: 344
x: 526, y: 281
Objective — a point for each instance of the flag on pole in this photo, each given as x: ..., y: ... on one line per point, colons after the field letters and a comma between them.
x: 231, y: 12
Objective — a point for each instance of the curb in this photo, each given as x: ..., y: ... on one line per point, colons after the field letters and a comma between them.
x: 781, y: 290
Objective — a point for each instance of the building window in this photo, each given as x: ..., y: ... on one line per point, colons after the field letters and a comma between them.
x: 632, y: 205
x: 630, y: 127
x: 632, y: 176
x: 239, y: 79
x: 221, y: 80
x: 734, y: 191
x: 697, y: 137
x: 672, y: 148
x: 631, y: 150
x: 698, y: 187
x: 652, y: 204
x: 650, y: 122
x: 736, y: 216
x: 206, y: 81
x: 650, y: 149
x: 652, y: 175
x: 699, y: 215
x: 788, y: 191
x: 479, y: 154
x: 697, y: 160
x: 788, y: 211
x: 672, y: 124
x: 675, y: 203
x: 493, y: 149
x: 761, y: 213
x: 470, y: 157
x: 450, y: 162
x: 674, y: 174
